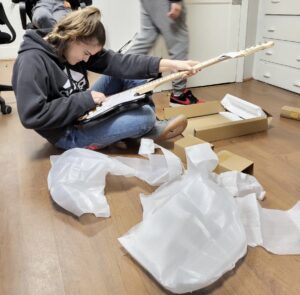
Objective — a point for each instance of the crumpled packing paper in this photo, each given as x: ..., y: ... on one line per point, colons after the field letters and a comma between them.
x: 196, y: 225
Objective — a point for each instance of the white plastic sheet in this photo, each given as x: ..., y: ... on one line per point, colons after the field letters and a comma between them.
x: 77, y: 178
x: 241, y: 184
x: 276, y: 230
x: 191, y: 233
x: 195, y: 226
x: 77, y: 185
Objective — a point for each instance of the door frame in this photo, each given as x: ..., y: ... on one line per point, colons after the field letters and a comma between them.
x: 242, y: 39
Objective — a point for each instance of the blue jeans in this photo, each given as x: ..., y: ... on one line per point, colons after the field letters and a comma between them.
x: 129, y: 124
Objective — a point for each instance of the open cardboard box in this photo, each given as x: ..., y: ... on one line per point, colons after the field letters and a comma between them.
x: 205, y: 122
x: 228, y: 161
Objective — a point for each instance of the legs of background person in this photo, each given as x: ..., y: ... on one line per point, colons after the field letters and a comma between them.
x: 147, y: 36
x: 154, y: 21
x: 59, y: 11
x: 175, y: 34
x: 46, y: 14
x: 42, y: 16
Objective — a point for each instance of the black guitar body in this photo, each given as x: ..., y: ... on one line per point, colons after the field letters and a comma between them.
x: 117, y: 109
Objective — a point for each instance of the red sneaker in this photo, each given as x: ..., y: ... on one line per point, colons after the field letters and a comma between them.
x: 185, y: 98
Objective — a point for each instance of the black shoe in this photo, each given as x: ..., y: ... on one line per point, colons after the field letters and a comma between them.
x: 185, y: 98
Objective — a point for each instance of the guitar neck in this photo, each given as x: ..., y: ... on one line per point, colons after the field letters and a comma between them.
x: 179, y: 75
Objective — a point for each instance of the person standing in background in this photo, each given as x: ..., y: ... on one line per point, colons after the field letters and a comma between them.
x: 168, y: 18
x: 46, y: 13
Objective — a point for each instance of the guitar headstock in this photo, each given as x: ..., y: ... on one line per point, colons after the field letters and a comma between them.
x: 247, y: 51
x: 256, y: 48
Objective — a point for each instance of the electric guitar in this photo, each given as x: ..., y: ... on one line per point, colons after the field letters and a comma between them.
x: 136, y: 96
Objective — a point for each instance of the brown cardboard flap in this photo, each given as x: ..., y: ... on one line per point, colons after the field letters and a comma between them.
x: 231, y: 129
x: 195, y: 110
x: 204, y: 122
x: 229, y: 161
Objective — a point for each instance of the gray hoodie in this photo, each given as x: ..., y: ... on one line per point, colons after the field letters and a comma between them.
x: 52, y: 94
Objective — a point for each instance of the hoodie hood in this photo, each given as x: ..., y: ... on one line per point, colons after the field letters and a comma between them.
x: 34, y: 39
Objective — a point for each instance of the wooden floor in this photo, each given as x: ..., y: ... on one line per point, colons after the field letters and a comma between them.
x: 45, y: 250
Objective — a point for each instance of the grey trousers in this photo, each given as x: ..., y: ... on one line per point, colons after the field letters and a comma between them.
x: 46, y: 13
x: 154, y: 21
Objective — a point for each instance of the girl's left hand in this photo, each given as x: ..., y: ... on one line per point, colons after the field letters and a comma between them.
x: 168, y: 65
x: 185, y: 65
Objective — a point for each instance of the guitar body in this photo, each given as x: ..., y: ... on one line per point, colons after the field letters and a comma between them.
x: 115, y: 104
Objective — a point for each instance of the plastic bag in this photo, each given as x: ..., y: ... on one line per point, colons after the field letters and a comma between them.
x: 191, y: 233
x: 195, y: 226
x: 76, y: 179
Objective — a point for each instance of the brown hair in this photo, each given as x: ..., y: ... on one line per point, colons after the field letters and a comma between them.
x: 83, y: 25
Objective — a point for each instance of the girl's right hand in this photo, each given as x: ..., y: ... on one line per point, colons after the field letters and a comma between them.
x: 98, y: 97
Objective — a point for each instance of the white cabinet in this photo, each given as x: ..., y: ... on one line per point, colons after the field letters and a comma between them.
x: 280, y: 65
x: 280, y: 75
x: 282, y: 27
x: 290, y: 7
x: 283, y: 53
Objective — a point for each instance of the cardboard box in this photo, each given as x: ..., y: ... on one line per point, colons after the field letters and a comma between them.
x: 181, y: 144
x: 290, y: 112
x: 231, y: 162
x: 206, y: 123
x: 228, y: 161
x: 177, y: 145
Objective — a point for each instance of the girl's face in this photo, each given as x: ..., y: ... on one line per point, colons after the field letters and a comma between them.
x: 78, y: 51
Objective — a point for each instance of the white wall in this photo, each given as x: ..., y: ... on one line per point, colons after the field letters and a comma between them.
x: 121, y: 20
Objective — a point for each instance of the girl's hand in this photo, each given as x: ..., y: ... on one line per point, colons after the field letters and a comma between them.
x: 178, y: 65
x: 98, y: 97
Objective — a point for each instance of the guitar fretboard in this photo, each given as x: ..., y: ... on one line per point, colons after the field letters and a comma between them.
x: 179, y: 75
